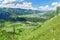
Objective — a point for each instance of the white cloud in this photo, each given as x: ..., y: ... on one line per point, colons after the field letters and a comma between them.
x: 52, y: 7
x: 7, y: 5
x: 27, y: 5
x: 46, y: 7
x: 24, y: 5
x: 55, y: 4
x: 10, y: 1
x: 10, y: 4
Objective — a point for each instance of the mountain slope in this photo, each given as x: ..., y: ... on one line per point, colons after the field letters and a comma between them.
x: 7, y: 14
x: 18, y: 11
x: 48, y: 31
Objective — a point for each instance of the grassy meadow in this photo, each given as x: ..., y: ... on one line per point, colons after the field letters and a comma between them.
x: 41, y: 26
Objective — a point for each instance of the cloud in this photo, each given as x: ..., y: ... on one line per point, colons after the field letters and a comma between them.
x: 10, y: 1
x: 52, y: 7
x: 55, y: 4
x: 11, y: 4
x: 46, y: 7
x: 24, y: 5
x: 7, y: 5
x: 27, y: 5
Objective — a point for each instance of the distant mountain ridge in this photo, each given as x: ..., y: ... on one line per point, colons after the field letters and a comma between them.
x: 19, y: 11
x: 6, y: 12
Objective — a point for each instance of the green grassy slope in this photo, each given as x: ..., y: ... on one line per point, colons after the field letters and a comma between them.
x: 21, y: 29
x: 49, y: 31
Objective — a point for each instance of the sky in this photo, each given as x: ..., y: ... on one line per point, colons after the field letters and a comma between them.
x: 30, y: 4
